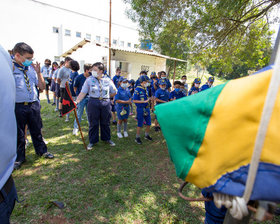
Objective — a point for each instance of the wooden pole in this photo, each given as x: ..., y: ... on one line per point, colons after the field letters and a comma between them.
x: 76, y: 116
x: 174, y: 73
x: 110, y: 37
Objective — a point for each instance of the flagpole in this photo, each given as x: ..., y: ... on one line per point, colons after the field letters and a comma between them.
x: 110, y: 37
x: 76, y: 116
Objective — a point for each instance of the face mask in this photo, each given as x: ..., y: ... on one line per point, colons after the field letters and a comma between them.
x: 147, y: 84
x: 196, y: 85
x: 184, y: 81
x: 210, y: 84
x: 177, y: 89
x: 95, y: 74
x: 27, y: 63
x: 124, y: 85
x: 163, y: 77
x: 163, y: 88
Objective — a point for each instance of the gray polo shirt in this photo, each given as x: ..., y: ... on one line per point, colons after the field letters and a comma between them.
x: 64, y: 74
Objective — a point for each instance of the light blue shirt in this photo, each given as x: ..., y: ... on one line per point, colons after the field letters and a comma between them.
x: 8, y: 127
x: 92, y: 86
x: 22, y: 93
x: 46, y: 71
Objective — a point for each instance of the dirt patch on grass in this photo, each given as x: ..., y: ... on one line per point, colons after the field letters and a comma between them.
x: 54, y: 220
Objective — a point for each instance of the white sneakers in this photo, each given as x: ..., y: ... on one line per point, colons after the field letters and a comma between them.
x: 119, y: 135
x: 125, y: 134
x: 75, y: 131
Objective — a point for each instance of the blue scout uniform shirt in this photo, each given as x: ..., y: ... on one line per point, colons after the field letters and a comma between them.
x: 8, y: 126
x: 72, y: 78
x: 162, y: 95
x: 137, y: 83
x: 116, y: 79
x: 152, y: 86
x: 204, y: 87
x: 79, y: 82
x: 168, y: 84
x: 99, y: 88
x: 177, y: 95
x: 22, y: 92
x: 193, y: 89
x: 140, y: 93
x: 123, y: 94
x: 46, y: 71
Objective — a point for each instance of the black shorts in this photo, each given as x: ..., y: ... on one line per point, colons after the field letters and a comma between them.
x: 62, y: 91
x: 48, y: 83
x: 57, y: 90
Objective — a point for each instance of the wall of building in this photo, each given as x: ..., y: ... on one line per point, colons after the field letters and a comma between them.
x: 33, y: 23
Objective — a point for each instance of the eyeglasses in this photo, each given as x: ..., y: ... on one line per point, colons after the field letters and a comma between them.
x: 28, y: 58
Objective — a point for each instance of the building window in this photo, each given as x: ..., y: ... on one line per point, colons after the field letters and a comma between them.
x: 98, y: 39
x: 122, y: 43
x: 88, y: 36
x: 128, y: 44
x: 55, y: 30
x: 115, y: 42
x: 106, y: 40
x: 78, y: 34
x: 67, y: 32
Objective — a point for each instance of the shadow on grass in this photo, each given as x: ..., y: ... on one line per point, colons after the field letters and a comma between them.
x: 124, y: 184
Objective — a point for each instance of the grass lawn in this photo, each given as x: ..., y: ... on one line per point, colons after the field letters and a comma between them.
x: 123, y: 184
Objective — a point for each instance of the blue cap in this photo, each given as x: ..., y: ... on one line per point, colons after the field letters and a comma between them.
x: 211, y: 79
x: 123, y: 79
x: 197, y: 81
x: 153, y: 73
x: 143, y: 78
x: 162, y: 82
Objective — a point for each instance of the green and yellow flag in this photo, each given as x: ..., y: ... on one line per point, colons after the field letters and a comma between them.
x: 211, y: 137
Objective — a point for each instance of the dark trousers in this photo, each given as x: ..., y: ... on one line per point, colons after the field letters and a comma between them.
x: 29, y: 115
x: 7, y: 204
x: 99, y: 113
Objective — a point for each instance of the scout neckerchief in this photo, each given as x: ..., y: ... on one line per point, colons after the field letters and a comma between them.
x: 100, y: 88
x: 24, y: 69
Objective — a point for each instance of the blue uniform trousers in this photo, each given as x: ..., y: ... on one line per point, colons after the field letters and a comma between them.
x: 30, y: 115
x: 99, y: 113
x: 7, y: 203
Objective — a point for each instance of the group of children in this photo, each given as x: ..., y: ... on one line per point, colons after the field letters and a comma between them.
x: 146, y: 93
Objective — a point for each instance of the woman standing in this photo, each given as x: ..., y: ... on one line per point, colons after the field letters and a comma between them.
x: 100, y: 89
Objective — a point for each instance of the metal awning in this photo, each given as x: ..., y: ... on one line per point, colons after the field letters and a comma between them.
x: 129, y: 50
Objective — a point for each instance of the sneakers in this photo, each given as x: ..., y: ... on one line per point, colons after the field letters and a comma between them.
x: 111, y: 143
x: 17, y: 165
x: 119, y: 135
x: 125, y: 134
x: 157, y: 129
x: 75, y: 131
x: 89, y: 147
x: 48, y: 155
x: 138, y: 141
x: 148, y: 137
x: 53, y: 104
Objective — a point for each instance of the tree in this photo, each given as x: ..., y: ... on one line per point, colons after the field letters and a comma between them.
x: 209, y: 32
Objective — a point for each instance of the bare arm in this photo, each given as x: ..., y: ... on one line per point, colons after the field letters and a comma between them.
x: 81, y: 97
x: 41, y: 81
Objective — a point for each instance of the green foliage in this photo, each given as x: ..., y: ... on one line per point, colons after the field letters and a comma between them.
x: 226, y: 36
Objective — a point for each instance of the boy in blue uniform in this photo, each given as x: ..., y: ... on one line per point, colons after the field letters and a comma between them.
x: 185, y: 85
x: 161, y: 96
x: 141, y: 100
x: 195, y: 87
x: 122, y: 100
x: 176, y: 93
x: 138, y: 83
x: 208, y: 85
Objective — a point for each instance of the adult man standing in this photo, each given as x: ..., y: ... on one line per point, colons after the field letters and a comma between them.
x: 27, y: 78
x: 8, y: 135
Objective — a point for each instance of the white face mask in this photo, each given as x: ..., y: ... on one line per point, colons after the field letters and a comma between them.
x: 163, y: 77
x: 163, y: 88
x: 184, y: 81
x: 147, y: 84
x: 196, y: 85
x: 124, y: 85
x: 94, y: 74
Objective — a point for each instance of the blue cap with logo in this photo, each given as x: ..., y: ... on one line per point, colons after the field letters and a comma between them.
x: 197, y: 81
x: 123, y: 79
x: 143, y: 78
x: 211, y: 79
x: 162, y: 82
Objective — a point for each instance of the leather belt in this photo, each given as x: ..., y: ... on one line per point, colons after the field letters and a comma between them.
x: 26, y: 103
x: 99, y: 98
x: 7, y: 188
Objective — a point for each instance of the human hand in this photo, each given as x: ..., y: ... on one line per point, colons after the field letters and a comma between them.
x: 37, y: 67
